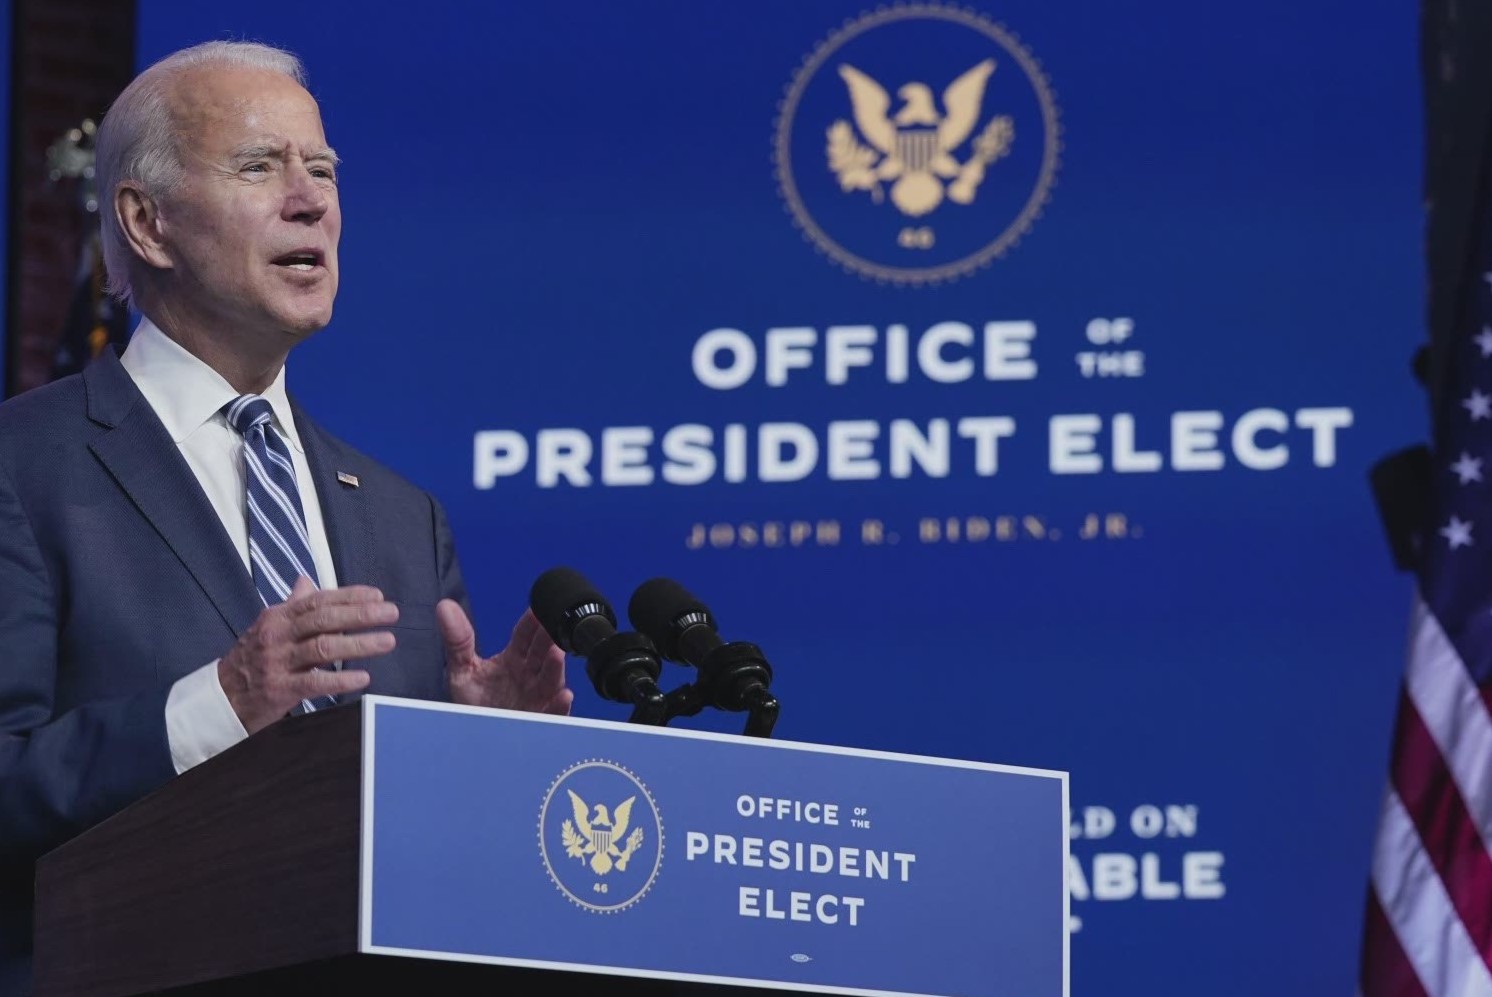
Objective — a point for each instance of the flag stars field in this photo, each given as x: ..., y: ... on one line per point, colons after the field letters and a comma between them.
x: 1457, y: 533
x: 1479, y: 405
x: 1467, y: 468
x: 1483, y: 341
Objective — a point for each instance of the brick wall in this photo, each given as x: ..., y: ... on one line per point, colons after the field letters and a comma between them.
x: 69, y: 59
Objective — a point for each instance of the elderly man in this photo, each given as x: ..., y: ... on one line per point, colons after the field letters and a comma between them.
x: 185, y: 557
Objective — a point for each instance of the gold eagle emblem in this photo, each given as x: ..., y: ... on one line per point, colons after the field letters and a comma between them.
x: 915, y: 146
x: 596, y: 833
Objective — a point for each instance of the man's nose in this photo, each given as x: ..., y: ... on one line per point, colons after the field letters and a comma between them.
x: 306, y: 200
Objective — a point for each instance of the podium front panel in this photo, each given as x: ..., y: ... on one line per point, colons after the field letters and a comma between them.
x: 518, y: 839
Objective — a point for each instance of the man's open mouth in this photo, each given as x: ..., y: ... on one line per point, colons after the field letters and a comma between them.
x: 301, y: 259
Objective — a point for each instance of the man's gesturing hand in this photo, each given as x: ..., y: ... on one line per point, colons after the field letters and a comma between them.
x: 528, y: 674
x: 274, y: 664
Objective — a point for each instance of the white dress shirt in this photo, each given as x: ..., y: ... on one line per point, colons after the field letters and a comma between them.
x: 188, y: 396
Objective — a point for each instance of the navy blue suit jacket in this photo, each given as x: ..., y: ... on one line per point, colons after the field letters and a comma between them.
x: 117, y: 578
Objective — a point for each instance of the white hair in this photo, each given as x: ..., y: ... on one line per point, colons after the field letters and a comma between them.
x: 137, y: 139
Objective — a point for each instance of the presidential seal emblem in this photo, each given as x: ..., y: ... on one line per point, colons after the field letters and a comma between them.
x: 917, y: 144
x: 600, y: 836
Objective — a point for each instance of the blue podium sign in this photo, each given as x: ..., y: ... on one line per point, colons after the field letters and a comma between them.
x: 526, y: 840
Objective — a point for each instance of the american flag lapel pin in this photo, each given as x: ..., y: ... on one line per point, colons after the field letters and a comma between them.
x: 350, y: 480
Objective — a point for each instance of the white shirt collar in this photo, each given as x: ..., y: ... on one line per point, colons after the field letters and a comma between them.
x: 185, y: 392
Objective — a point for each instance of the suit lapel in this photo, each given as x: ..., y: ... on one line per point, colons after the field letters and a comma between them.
x: 349, y: 526
x: 344, y: 510
x: 144, y: 461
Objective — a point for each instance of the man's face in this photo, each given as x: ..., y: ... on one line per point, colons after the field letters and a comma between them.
x: 252, y: 231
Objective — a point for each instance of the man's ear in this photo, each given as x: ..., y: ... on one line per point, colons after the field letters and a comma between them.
x: 139, y: 217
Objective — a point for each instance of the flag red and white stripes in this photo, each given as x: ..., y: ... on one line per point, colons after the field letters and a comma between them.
x: 1428, y: 929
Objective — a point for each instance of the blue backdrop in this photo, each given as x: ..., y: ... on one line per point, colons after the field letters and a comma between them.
x: 547, y: 206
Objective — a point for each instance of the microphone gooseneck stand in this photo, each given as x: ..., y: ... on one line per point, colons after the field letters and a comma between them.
x: 733, y: 676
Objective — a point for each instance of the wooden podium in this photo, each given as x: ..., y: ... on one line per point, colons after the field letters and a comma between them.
x: 241, y: 877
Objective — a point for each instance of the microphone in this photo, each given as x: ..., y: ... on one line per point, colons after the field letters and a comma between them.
x: 733, y: 676
x: 623, y: 667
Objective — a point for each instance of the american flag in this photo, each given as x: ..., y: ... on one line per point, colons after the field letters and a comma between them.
x: 1428, y: 926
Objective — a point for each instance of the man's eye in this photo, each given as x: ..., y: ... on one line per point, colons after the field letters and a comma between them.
x: 256, y: 168
x: 324, y: 174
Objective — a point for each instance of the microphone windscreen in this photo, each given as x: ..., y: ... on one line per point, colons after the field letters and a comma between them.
x: 655, y: 607
x: 556, y: 593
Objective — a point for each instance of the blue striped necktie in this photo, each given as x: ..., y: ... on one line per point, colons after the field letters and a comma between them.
x: 279, y: 546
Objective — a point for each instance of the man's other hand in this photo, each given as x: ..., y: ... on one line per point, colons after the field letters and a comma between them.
x: 528, y: 674
x: 275, y: 664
